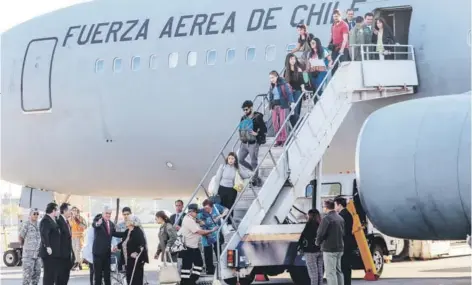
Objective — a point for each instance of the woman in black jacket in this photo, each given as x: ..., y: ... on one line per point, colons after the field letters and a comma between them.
x: 383, y: 39
x: 312, y: 252
x: 134, y: 252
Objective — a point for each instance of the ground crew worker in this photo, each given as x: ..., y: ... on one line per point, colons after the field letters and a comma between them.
x: 192, y: 262
x: 30, y: 240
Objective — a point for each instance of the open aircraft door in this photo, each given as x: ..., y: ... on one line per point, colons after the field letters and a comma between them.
x: 36, y: 75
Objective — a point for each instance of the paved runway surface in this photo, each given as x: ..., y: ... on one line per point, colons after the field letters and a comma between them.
x: 445, y: 271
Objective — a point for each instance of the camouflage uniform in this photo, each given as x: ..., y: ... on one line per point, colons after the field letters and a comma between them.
x: 31, y: 262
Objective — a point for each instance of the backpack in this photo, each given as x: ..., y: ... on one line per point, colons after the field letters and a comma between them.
x: 246, y: 126
x: 284, y: 92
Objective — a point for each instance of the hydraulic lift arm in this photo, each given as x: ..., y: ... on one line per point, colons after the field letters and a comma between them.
x: 366, y: 255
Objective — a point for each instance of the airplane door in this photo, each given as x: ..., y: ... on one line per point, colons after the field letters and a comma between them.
x: 36, y: 75
x: 399, y: 21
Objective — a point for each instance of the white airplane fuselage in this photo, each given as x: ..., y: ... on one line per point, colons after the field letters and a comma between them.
x: 73, y: 124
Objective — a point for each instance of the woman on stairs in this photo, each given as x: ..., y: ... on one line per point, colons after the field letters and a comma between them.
x: 225, y: 178
x: 281, y: 100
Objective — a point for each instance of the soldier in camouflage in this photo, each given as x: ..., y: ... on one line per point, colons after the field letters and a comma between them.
x: 30, y: 239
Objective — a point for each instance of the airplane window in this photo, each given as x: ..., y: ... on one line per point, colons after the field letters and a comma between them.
x: 211, y: 57
x: 270, y: 53
x: 290, y: 47
x: 192, y: 58
x: 230, y: 55
x: 153, y: 62
x: 117, y: 66
x: 173, y: 60
x: 135, y: 63
x: 251, y: 53
x: 99, y: 65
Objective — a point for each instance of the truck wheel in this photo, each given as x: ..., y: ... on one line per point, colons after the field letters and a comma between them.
x: 10, y: 258
x: 404, y: 250
x: 377, y: 256
x: 299, y: 275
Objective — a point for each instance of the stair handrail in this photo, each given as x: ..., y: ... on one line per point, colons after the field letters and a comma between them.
x: 215, y: 160
x: 287, y: 119
x: 327, y: 78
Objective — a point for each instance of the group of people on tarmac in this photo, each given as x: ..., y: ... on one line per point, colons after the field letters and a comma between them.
x: 197, y: 225
x: 55, y: 244
x: 328, y: 243
x: 49, y: 243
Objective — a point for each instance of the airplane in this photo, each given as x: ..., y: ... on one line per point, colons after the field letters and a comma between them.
x: 134, y: 98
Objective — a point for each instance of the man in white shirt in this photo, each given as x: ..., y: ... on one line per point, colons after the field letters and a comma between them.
x: 192, y: 262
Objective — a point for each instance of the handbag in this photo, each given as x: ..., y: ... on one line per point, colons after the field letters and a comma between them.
x: 213, y: 187
x: 168, y: 272
x: 179, y: 244
x: 238, y: 182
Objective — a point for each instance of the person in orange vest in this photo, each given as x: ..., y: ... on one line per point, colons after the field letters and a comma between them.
x: 78, y: 226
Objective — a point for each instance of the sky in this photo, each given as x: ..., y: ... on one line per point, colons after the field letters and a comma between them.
x: 13, y: 12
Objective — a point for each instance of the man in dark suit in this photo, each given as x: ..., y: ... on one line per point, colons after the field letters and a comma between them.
x: 50, y: 245
x: 67, y: 259
x: 101, y: 250
x: 350, y: 244
x: 176, y: 219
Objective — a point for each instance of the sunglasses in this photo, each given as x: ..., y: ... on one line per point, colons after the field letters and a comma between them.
x: 35, y: 214
x: 246, y: 109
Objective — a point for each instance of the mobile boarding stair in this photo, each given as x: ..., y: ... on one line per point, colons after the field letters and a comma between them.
x: 260, y: 212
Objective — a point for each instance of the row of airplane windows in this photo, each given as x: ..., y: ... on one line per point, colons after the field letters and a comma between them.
x: 173, y: 59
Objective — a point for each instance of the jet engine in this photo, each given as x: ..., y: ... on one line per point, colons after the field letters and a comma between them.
x: 413, y: 168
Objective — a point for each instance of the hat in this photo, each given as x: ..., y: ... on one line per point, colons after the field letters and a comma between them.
x: 193, y: 207
x: 33, y: 210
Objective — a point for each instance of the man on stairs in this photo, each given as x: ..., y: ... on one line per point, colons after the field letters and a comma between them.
x: 252, y: 133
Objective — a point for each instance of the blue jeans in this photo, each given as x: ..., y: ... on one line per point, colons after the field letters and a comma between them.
x: 317, y: 80
x: 296, y: 96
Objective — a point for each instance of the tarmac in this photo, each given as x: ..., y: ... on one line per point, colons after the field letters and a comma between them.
x: 444, y: 271
x: 454, y: 270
